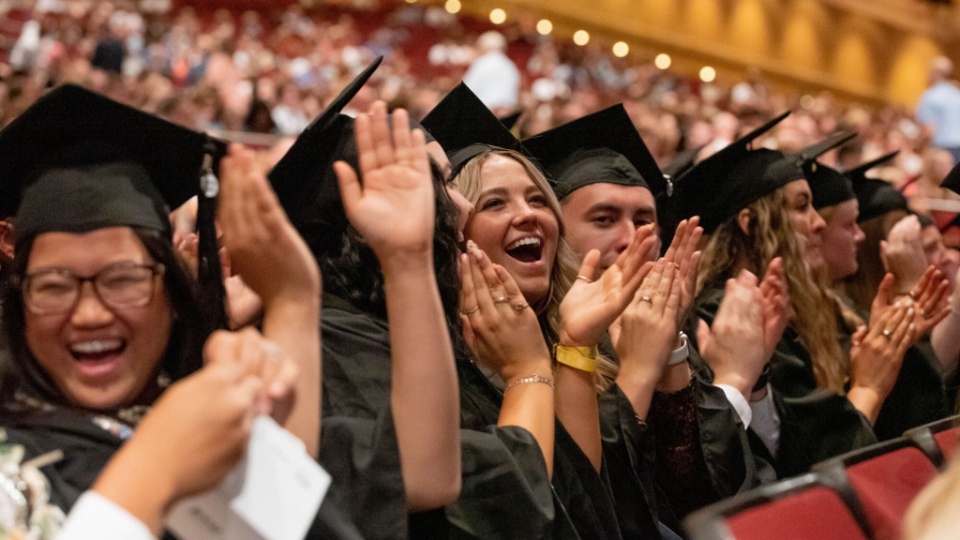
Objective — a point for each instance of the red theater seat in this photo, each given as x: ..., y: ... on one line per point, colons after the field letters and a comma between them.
x: 938, y: 440
x: 799, y: 508
x: 948, y: 439
x: 886, y: 478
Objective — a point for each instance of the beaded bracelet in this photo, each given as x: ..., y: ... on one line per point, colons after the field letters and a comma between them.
x: 531, y: 379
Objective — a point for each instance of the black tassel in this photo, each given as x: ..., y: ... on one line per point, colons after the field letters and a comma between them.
x: 209, y: 274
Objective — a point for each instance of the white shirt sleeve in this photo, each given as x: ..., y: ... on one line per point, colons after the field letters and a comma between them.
x: 766, y: 422
x: 739, y: 404
x: 97, y: 517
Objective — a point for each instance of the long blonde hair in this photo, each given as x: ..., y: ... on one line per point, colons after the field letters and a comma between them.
x: 771, y: 234
x: 563, y: 272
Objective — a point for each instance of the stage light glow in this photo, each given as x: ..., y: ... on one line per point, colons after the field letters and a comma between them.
x: 708, y: 74
x: 498, y: 16
x: 662, y: 61
x: 581, y: 37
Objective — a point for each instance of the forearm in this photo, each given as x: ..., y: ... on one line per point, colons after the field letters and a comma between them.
x: 945, y: 340
x: 425, y: 394
x: 577, y: 409
x: 638, y: 385
x: 295, y: 327
x: 531, y: 407
x: 146, y: 492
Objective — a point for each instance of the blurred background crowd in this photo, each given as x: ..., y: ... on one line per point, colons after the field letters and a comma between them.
x: 260, y: 76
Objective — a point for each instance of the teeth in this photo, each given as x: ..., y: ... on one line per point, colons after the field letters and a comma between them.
x: 532, y: 241
x: 94, y: 347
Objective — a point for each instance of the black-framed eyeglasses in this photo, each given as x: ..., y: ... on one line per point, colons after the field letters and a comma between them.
x: 120, y: 285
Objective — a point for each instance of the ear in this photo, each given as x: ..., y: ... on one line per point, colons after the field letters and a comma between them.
x: 6, y: 239
x: 743, y: 220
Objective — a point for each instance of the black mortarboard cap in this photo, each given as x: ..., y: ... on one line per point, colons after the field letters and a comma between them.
x: 952, y: 180
x: 304, y: 179
x: 466, y: 128
x: 733, y: 178
x: 510, y: 121
x: 828, y: 185
x: 77, y: 161
x: 876, y: 197
x: 682, y: 162
x: 600, y: 148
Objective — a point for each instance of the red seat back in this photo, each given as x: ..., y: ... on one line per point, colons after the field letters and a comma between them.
x: 947, y: 440
x: 814, y: 513
x: 887, y: 484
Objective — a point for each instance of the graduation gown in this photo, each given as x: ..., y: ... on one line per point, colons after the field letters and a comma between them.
x: 87, y: 448
x: 815, y: 423
x: 506, y: 492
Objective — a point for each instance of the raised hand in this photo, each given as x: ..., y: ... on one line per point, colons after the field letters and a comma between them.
x: 263, y: 246
x: 735, y: 346
x: 776, y: 306
x: 683, y: 254
x: 902, y: 253
x: 590, y: 307
x: 931, y: 297
x: 393, y: 209
x: 499, y: 325
x: 877, y: 355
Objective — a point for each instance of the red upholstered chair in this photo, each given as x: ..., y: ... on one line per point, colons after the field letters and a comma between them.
x: 800, y: 508
x: 938, y: 440
x: 886, y: 478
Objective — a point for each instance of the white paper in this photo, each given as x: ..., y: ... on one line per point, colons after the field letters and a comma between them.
x: 274, y: 494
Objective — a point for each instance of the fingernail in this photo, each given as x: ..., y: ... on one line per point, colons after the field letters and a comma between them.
x: 910, y: 312
x: 476, y: 251
x: 912, y: 326
x: 910, y: 302
x: 896, y: 304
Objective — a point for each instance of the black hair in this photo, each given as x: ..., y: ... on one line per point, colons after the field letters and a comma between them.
x: 184, y: 353
x: 351, y: 270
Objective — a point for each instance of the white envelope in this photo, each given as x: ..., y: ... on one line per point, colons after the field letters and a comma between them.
x: 274, y: 494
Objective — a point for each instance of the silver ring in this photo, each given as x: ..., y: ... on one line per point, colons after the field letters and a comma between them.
x: 887, y: 333
x: 585, y: 278
x: 471, y: 311
x: 677, y: 265
x: 520, y: 307
x: 646, y: 299
x: 501, y: 300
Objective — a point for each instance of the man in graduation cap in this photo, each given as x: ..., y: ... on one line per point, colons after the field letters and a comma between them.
x: 609, y: 185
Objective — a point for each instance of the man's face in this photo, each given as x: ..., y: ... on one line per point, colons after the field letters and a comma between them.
x: 605, y: 217
x: 937, y: 253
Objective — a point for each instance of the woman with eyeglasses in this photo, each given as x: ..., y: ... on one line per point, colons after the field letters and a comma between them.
x: 118, y: 399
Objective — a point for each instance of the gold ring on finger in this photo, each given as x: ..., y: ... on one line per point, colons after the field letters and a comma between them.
x: 677, y: 265
x: 646, y: 299
x: 501, y: 300
x: 520, y: 307
x: 585, y: 278
x: 471, y: 311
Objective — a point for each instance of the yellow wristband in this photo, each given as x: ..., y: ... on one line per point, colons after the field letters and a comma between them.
x: 582, y: 358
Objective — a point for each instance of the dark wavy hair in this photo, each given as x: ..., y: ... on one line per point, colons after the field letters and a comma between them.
x: 352, y: 271
x: 184, y: 353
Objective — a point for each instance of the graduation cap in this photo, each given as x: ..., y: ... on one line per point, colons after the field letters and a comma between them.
x: 77, y: 161
x: 466, y: 128
x: 876, y: 197
x: 600, y: 148
x: 828, y: 185
x: 304, y: 180
x: 682, y: 162
x: 952, y: 180
x: 733, y: 178
x: 510, y: 121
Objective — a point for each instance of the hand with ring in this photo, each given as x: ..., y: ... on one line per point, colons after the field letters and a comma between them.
x: 647, y: 332
x: 588, y: 309
x: 683, y: 255
x: 498, y: 324
x: 877, y: 355
x: 931, y: 297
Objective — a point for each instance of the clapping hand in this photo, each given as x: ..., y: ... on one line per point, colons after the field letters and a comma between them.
x: 591, y: 307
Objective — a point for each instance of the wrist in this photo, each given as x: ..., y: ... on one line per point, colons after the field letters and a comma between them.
x: 736, y: 381
x: 674, y: 378
x: 122, y: 483
x: 519, y: 370
x: 585, y: 341
x: 403, y: 261
x: 866, y: 400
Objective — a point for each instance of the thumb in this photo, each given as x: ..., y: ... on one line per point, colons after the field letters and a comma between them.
x: 883, y: 255
x: 704, y: 335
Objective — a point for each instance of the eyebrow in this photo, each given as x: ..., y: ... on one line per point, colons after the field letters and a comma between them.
x: 493, y: 191
x: 614, y: 209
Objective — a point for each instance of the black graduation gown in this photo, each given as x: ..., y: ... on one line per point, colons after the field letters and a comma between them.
x: 650, y: 486
x: 815, y: 424
x: 86, y: 450
x: 506, y: 492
